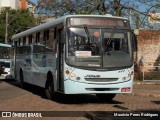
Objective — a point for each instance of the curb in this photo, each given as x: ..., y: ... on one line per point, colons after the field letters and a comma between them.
x: 146, y: 83
x: 146, y: 94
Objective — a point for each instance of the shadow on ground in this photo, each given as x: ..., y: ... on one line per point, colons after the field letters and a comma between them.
x: 61, y: 98
x: 156, y: 102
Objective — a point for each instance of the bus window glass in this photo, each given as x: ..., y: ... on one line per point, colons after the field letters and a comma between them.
x: 34, y: 38
x: 84, y: 47
x: 26, y: 49
x: 30, y: 39
x: 50, y: 45
x: 37, y: 37
x: 38, y: 49
x: 42, y: 42
x: 12, y: 52
x: 24, y: 40
x: 98, y: 47
x: 4, y: 52
x: 115, y: 48
x: 19, y: 42
x: 20, y: 50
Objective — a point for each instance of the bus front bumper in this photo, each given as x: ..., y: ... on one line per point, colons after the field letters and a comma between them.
x: 73, y: 87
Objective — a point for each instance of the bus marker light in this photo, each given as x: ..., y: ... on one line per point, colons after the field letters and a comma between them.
x: 127, y: 89
x: 67, y: 72
x: 78, y: 78
x: 124, y: 78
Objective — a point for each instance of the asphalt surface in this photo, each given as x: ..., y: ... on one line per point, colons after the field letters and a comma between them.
x: 146, y: 89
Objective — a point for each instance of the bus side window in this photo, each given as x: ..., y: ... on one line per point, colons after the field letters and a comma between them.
x: 34, y: 38
x: 26, y: 49
x: 37, y: 37
x: 46, y: 37
x: 42, y: 42
x: 20, y: 50
x: 51, y: 42
x: 24, y: 40
x: 19, y: 42
x: 30, y: 39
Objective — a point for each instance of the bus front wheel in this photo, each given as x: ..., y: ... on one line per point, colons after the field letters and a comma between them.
x: 49, y: 87
x: 106, y: 97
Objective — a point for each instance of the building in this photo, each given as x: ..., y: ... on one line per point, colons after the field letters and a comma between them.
x: 16, y: 4
x: 28, y: 4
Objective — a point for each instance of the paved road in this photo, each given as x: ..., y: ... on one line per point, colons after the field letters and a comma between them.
x: 13, y: 98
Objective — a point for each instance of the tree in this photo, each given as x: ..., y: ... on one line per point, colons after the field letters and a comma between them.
x: 18, y: 21
x: 126, y: 8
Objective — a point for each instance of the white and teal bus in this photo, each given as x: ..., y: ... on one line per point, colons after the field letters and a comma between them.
x: 5, y: 59
x: 76, y: 54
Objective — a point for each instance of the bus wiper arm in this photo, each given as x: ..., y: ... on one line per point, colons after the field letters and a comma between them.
x: 87, y: 32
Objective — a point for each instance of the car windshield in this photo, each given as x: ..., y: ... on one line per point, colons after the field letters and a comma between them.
x: 98, y: 47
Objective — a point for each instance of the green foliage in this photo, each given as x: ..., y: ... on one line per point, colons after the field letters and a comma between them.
x: 18, y: 21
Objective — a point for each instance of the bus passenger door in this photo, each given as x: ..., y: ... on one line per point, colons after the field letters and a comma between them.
x: 60, y: 62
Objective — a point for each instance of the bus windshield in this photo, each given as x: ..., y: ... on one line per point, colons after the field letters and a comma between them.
x: 4, y: 52
x: 99, y: 47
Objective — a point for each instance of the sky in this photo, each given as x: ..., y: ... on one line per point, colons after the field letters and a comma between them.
x: 35, y: 1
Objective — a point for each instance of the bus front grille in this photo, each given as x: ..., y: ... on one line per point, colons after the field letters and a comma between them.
x: 101, y: 79
x: 102, y: 89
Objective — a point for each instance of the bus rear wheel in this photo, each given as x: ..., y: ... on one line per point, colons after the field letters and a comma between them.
x: 106, y: 97
x: 49, y: 88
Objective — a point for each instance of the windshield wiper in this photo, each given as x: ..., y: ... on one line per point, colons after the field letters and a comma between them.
x: 111, y: 36
x: 109, y: 41
x: 87, y: 32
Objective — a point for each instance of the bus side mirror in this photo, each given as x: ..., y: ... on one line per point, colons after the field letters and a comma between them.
x: 63, y: 37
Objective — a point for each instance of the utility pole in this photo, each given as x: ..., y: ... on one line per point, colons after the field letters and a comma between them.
x: 6, y: 33
x: 130, y: 17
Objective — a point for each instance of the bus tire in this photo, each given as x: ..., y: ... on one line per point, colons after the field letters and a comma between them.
x: 106, y: 97
x: 49, y: 87
x: 22, y: 83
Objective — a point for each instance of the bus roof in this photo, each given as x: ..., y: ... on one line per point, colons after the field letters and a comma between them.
x: 56, y: 22
x: 4, y: 45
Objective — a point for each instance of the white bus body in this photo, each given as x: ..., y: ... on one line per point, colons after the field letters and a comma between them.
x: 76, y: 54
x: 5, y: 59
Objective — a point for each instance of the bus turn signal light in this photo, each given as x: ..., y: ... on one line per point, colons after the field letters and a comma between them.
x: 127, y: 89
x: 67, y: 72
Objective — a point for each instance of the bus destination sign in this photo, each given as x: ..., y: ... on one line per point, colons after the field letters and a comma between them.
x: 92, y: 21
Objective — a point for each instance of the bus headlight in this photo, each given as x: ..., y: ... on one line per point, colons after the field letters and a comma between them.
x: 124, y: 78
x: 128, y: 76
x: 73, y: 75
x: 78, y: 78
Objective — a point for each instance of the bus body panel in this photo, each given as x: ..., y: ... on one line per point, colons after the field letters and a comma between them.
x: 35, y: 67
x: 97, y: 79
x: 114, y: 76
